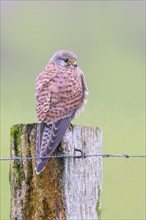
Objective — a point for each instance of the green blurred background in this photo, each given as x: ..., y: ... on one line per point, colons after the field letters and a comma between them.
x: 108, y: 38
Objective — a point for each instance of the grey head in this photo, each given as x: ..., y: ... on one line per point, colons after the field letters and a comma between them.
x: 64, y: 58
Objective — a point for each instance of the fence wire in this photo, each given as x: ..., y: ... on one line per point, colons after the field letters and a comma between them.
x: 73, y: 156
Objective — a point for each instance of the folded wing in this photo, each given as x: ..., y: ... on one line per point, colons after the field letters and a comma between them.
x: 49, y: 138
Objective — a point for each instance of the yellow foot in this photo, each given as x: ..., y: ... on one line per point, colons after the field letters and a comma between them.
x: 70, y: 127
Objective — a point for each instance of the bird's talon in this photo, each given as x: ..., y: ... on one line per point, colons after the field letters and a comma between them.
x: 70, y: 126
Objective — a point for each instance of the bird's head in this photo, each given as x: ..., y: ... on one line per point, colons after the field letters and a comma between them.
x: 64, y: 58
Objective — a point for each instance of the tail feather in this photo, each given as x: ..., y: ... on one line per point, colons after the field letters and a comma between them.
x: 43, y: 137
x: 49, y: 139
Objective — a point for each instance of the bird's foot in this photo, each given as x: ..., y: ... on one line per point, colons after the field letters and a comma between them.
x: 70, y: 127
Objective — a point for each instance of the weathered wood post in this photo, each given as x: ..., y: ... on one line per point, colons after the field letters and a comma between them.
x: 68, y: 189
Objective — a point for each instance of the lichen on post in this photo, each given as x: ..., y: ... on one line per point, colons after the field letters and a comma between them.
x: 68, y: 188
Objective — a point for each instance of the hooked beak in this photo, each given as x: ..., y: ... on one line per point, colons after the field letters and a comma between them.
x: 73, y: 63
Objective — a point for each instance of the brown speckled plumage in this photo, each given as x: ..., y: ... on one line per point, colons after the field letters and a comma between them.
x: 60, y: 94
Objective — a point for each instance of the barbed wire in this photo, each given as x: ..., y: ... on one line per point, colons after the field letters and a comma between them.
x: 72, y: 156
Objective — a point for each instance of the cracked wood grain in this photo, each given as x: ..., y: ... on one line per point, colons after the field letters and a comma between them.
x: 68, y: 189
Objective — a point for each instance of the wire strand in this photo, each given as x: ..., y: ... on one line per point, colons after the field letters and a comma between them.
x: 73, y: 156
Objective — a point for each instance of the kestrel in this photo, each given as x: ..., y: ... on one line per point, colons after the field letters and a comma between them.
x: 61, y: 94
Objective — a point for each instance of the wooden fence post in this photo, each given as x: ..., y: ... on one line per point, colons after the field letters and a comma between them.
x: 68, y: 189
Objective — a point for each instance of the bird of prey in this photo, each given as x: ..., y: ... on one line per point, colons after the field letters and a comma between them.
x: 61, y: 94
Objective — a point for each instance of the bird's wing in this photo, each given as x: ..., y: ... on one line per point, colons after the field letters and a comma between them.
x: 51, y: 137
x: 59, y: 93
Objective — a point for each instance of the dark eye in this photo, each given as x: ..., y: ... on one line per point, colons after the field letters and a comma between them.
x: 66, y: 60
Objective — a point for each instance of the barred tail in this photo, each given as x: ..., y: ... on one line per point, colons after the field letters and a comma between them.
x: 42, y: 140
x: 52, y: 135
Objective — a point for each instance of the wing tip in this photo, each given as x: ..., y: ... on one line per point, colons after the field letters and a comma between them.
x: 39, y: 171
x: 40, y: 167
